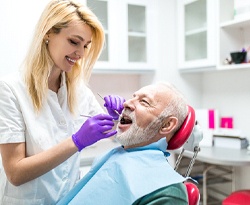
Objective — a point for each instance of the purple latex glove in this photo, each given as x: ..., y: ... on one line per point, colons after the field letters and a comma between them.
x: 114, y: 102
x: 94, y: 129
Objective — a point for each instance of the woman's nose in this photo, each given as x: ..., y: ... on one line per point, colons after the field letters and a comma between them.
x: 79, y: 54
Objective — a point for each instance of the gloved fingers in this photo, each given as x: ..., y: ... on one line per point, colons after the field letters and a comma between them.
x: 114, y: 102
x: 119, y: 104
x: 113, y: 113
x: 105, y: 128
x: 108, y: 101
x: 103, y: 131
x: 110, y: 134
x: 102, y: 117
x: 106, y: 123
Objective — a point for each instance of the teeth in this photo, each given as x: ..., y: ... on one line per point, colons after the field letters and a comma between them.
x: 125, y: 120
x: 71, y: 60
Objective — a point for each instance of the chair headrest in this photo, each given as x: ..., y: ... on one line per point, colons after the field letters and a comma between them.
x: 182, y: 135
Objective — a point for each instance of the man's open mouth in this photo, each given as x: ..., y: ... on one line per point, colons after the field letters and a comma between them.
x: 125, y: 120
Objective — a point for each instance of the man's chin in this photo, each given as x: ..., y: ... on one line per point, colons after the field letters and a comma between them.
x: 122, y: 140
x: 123, y: 127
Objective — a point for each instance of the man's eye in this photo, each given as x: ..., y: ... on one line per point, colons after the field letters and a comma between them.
x: 144, y: 101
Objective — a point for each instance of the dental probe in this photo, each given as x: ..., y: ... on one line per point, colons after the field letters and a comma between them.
x: 88, y: 116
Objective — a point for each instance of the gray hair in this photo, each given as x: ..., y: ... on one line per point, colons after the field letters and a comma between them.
x: 177, y: 105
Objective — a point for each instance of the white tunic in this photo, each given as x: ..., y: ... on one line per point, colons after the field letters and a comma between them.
x: 19, y: 123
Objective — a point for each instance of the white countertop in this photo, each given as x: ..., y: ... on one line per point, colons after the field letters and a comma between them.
x: 221, y: 156
x: 88, y: 154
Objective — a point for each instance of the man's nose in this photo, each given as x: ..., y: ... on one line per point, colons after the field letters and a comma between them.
x: 129, y: 104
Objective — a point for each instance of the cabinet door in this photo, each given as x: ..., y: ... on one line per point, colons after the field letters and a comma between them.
x: 196, y: 33
x: 103, y: 10
x: 137, y: 34
x: 127, y: 27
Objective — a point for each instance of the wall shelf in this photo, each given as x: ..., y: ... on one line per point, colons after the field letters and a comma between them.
x: 236, y: 23
x: 234, y: 66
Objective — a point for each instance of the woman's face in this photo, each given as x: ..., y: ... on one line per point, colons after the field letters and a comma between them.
x: 68, y: 46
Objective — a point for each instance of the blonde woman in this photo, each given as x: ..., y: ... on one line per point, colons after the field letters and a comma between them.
x: 41, y: 128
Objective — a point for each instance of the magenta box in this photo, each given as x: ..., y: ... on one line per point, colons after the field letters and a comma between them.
x: 226, y: 122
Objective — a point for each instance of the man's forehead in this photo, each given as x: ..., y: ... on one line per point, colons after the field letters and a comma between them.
x: 156, y: 93
x: 147, y: 91
x: 152, y: 90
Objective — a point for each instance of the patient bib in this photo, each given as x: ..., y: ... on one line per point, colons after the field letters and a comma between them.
x: 122, y: 176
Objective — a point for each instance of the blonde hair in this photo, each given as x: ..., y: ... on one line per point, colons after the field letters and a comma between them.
x: 59, y: 14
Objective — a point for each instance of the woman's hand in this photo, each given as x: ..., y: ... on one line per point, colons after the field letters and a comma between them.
x: 114, y: 105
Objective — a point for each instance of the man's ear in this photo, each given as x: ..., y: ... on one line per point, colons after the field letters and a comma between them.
x: 169, y: 124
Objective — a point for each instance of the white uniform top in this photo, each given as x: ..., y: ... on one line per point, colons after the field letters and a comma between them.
x: 19, y: 123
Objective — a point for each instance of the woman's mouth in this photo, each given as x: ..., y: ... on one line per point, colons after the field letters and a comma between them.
x: 70, y: 60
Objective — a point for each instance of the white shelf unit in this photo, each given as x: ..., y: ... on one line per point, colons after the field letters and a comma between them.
x: 208, y: 31
x: 234, y: 35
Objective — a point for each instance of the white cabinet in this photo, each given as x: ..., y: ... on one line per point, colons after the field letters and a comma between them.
x: 208, y: 31
x: 127, y: 27
x: 196, y: 33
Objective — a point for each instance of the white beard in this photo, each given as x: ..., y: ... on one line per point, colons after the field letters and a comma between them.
x: 135, y: 135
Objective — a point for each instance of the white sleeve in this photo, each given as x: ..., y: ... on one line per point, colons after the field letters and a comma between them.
x: 12, y: 126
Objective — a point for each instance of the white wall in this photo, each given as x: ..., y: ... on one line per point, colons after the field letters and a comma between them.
x: 229, y: 92
x: 18, y: 19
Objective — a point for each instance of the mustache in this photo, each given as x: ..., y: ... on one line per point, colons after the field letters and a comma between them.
x: 130, y: 114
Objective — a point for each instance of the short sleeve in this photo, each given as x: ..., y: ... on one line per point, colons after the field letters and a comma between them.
x: 12, y: 125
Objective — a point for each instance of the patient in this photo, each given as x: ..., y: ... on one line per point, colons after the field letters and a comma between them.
x: 138, y: 171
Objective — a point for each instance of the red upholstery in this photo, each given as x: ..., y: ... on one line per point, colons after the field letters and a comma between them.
x: 184, y: 132
x: 241, y: 197
x: 178, y: 140
x: 193, y: 193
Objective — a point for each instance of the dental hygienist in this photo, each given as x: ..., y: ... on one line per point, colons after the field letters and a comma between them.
x: 41, y: 128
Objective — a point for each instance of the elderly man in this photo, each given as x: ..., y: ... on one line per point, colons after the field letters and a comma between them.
x: 138, y: 171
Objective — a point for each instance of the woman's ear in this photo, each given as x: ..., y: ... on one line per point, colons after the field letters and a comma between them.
x: 169, y: 125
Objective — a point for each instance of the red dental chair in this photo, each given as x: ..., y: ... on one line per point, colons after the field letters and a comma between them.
x: 240, y: 197
x: 189, y: 136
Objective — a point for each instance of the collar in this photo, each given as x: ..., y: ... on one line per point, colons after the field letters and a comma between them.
x: 159, y: 145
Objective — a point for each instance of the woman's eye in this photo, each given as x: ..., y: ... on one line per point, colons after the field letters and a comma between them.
x: 73, y: 42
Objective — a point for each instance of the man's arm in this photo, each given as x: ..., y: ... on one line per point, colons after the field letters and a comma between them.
x: 172, y: 194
